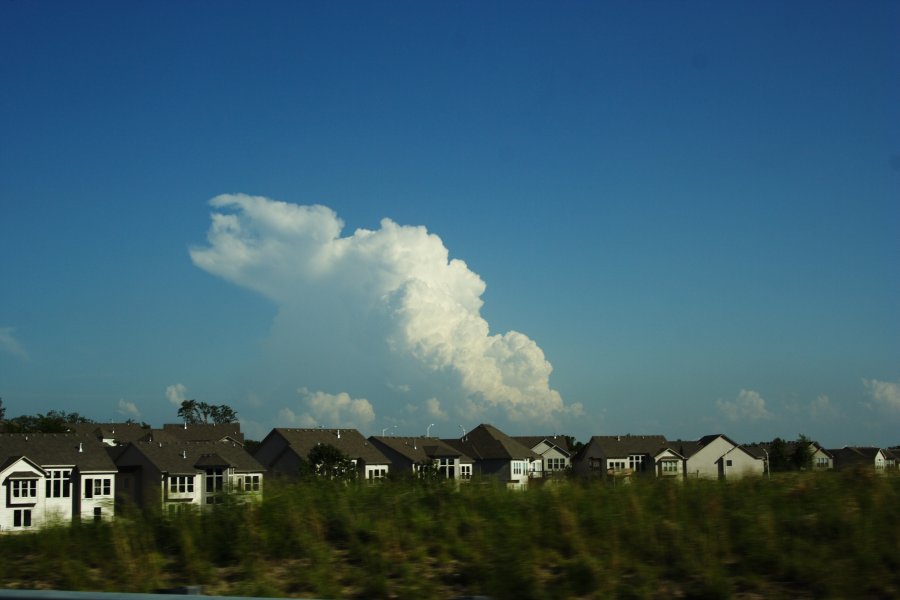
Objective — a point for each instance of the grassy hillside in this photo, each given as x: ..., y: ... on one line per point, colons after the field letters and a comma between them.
x: 832, y: 535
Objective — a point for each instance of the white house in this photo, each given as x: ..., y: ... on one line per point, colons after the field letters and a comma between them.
x: 556, y: 456
x: 54, y: 478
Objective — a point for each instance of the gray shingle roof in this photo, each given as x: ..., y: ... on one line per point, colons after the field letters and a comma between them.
x: 57, y: 449
x: 624, y: 445
x: 188, y: 457
x: 121, y: 432
x: 349, y: 441
x: 530, y: 441
x: 486, y: 442
x: 419, y: 449
x: 204, y: 432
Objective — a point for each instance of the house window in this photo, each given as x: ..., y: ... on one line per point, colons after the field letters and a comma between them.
x: 98, y: 514
x: 822, y: 462
x: 465, y: 471
x: 636, y: 462
x: 445, y: 467
x: 595, y: 464
x: 669, y: 466
x: 728, y: 462
x: 97, y: 487
x: 24, y: 488
x: 376, y: 474
x: 59, y: 483
x: 251, y: 483
x: 214, y: 481
x: 22, y: 517
x: 617, y: 465
x: 517, y: 467
x: 555, y: 464
x: 181, y: 484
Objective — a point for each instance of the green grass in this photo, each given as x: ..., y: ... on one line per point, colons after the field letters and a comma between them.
x: 828, y: 535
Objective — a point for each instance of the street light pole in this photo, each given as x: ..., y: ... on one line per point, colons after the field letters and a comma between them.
x: 428, y: 430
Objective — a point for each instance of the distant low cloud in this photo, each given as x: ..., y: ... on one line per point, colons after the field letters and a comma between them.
x: 129, y: 410
x: 9, y: 343
x: 388, y: 301
x: 433, y: 407
x: 748, y: 406
x: 329, y: 410
x: 176, y: 394
x: 885, y: 394
x: 822, y: 408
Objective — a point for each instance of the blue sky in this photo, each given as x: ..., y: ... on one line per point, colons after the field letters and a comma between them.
x: 689, y: 210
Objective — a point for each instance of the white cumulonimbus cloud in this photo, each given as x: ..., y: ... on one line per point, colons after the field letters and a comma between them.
x: 886, y: 394
x: 392, y: 291
x: 748, y: 406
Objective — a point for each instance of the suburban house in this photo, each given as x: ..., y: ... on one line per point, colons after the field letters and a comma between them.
x: 859, y: 456
x: 556, y: 456
x: 173, y: 474
x: 410, y: 454
x: 497, y: 455
x: 669, y: 464
x: 822, y: 459
x: 622, y: 456
x: 891, y: 458
x: 284, y: 450
x: 54, y: 478
x: 717, y: 456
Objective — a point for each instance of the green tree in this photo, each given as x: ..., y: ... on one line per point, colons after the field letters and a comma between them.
x: 193, y: 413
x: 779, y: 455
x: 802, y: 457
x: 55, y: 421
x: 2, y: 410
x: 327, y: 461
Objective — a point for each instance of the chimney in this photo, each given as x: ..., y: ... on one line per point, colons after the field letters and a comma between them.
x: 80, y: 447
x: 339, y: 434
x: 184, y: 454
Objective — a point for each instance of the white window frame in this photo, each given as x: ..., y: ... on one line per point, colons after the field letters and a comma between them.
x: 23, y: 488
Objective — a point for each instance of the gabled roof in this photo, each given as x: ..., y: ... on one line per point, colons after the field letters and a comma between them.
x: 189, y: 457
x: 668, y: 449
x: 419, y: 449
x: 690, y: 448
x: 855, y: 455
x: 486, y: 442
x: 533, y: 441
x: 57, y: 450
x: 349, y: 441
x: 11, y: 460
x: 204, y: 432
x: 620, y: 446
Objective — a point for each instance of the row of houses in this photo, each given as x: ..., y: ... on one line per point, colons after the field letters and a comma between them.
x: 82, y: 475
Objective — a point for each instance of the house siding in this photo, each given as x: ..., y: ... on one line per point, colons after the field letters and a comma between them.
x: 712, y: 461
